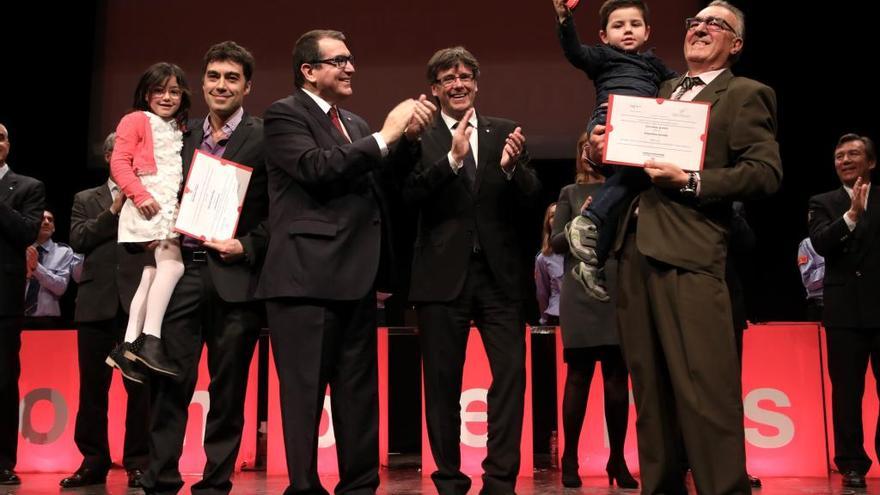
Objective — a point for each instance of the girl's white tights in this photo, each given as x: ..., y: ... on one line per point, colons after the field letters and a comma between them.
x: 154, y: 291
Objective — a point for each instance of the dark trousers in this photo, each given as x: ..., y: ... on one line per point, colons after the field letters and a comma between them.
x: 198, y: 317
x: 317, y: 343
x: 679, y: 345
x: 849, y: 350
x: 94, y: 341
x: 580, y: 366
x: 10, y: 371
x: 443, y: 332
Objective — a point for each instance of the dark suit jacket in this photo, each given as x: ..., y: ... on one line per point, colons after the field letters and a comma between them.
x: 236, y: 282
x: 110, y: 274
x: 451, y: 214
x: 852, y: 259
x: 742, y: 162
x: 325, y: 210
x: 22, y: 201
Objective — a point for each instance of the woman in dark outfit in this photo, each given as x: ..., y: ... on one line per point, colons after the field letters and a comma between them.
x: 589, y: 335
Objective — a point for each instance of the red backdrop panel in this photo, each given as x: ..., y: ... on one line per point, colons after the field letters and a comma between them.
x: 49, y: 388
x: 782, y: 399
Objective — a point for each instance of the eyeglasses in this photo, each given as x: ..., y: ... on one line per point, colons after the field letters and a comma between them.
x: 449, y: 80
x: 339, y: 62
x: 174, y: 93
x: 712, y: 24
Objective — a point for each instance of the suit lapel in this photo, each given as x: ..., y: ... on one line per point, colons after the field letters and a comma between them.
x: 238, y: 137
x: 486, y: 145
x: 353, y: 131
x: 7, y: 185
x: 322, y: 119
x: 713, y: 91
x: 842, y: 201
x: 103, y: 197
x: 441, y: 134
x: 193, y: 142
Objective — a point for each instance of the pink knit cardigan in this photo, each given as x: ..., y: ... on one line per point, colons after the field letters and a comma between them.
x: 133, y: 156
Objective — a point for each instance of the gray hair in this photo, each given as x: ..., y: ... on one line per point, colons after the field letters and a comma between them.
x: 740, y: 17
x: 109, y: 142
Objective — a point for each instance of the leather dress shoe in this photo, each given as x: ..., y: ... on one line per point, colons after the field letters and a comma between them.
x: 84, y: 477
x: 134, y: 478
x: 852, y: 479
x: 7, y: 477
x: 126, y: 366
x: 148, y: 349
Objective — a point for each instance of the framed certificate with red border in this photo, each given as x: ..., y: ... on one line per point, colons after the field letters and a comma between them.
x: 641, y: 129
x: 212, y: 197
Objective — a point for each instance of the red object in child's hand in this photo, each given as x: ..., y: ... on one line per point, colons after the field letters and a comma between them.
x: 571, y: 4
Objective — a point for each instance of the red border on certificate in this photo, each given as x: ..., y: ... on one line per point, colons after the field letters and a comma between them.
x: 704, y: 138
x: 187, y: 190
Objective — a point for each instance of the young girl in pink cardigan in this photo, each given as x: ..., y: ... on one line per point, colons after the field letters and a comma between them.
x: 147, y: 166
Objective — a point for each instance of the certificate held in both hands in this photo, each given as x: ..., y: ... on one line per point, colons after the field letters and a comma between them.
x: 212, y: 198
x: 641, y: 129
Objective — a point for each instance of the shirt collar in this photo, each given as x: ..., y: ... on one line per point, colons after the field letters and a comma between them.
x: 709, y: 76
x: 452, y: 121
x: 229, y: 126
x: 49, y: 245
x: 4, y: 170
x: 322, y: 103
x: 849, y: 191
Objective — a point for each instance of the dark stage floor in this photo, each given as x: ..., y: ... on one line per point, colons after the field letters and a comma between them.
x: 404, y: 481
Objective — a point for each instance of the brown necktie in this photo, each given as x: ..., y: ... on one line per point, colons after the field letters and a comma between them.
x: 334, y: 117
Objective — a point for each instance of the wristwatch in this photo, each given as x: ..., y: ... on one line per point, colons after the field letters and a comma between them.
x: 690, y: 189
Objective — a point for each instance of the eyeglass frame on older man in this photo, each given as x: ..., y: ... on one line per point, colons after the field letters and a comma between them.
x: 713, y: 23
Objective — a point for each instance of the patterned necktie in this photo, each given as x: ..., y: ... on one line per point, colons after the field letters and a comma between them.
x: 686, y: 85
x: 334, y: 117
x: 31, y: 295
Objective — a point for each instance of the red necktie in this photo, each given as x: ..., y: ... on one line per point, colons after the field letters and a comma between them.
x: 334, y: 117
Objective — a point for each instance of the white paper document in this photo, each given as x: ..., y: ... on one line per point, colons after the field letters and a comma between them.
x: 641, y: 129
x: 212, y: 198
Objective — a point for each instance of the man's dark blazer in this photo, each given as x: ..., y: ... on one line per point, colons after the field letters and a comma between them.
x: 325, y: 211
x: 852, y: 259
x: 22, y: 201
x: 110, y: 274
x: 236, y: 282
x: 451, y: 213
x: 741, y: 162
